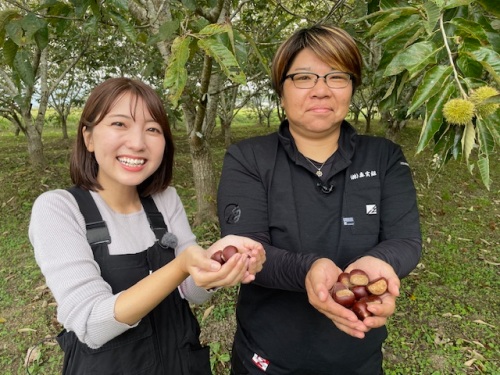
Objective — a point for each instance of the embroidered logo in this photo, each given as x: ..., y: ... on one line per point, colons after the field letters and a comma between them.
x: 363, y: 174
x: 232, y: 213
x: 348, y: 220
x: 371, y: 209
x: 260, y: 362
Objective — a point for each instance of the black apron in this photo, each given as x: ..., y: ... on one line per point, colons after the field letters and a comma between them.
x: 166, y: 341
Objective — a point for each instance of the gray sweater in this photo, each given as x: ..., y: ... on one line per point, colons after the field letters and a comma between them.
x: 85, y: 302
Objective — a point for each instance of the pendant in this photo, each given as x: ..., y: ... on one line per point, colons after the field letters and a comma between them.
x: 319, y: 173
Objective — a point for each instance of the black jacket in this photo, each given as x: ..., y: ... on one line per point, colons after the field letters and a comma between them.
x: 268, y: 191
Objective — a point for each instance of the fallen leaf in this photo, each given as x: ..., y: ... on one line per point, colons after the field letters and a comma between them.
x: 479, y: 321
x: 492, y: 263
x: 26, y: 330
x: 470, y: 362
x: 207, y: 312
x: 2, y: 320
x: 33, y: 354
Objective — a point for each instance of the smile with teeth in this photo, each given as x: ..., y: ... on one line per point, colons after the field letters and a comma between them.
x: 131, y: 162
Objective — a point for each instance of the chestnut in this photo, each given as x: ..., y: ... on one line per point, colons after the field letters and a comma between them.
x: 342, y: 295
x: 228, y: 252
x: 359, y: 291
x: 371, y: 298
x: 378, y: 286
x: 217, y: 256
x: 344, y: 279
x: 360, y: 308
x: 358, y: 277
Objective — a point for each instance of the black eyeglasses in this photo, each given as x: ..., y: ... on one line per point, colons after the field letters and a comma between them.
x: 334, y: 80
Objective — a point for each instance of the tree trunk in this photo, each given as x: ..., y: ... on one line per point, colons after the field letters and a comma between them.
x: 368, y: 119
x: 64, y: 126
x: 226, y: 131
x: 204, y: 179
x: 35, y: 147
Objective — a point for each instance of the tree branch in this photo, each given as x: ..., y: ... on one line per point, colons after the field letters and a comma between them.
x: 450, y: 56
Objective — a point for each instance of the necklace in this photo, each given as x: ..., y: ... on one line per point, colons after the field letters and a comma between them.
x: 318, y: 170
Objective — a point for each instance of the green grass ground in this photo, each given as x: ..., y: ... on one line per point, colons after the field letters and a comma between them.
x: 447, y: 319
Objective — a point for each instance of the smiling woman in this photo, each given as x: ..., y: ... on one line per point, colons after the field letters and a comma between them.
x: 118, y: 253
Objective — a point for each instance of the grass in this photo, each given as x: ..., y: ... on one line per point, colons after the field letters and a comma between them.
x: 447, y: 318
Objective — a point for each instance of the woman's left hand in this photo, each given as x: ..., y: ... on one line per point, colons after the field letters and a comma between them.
x: 376, y: 268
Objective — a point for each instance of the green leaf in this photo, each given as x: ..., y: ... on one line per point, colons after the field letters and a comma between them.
x: 23, y: 67
x: 434, y: 117
x: 189, y: 4
x: 468, y: 28
x: 215, y: 28
x: 7, y: 15
x: 80, y: 7
x: 398, y: 26
x: 124, y: 26
x: 431, y: 84
x: 433, y: 13
x: 457, y: 3
x: 42, y: 38
x: 489, y: 59
x: 9, y: 52
x: 484, y: 170
x: 224, y: 58
x: 469, y: 67
x: 484, y: 137
x: 491, y: 6
x: 176, y: 73
x: 166, y: 32
x: 391, y: 88
x: 468, y: 140
x: 14, y: 31
x: 413, y: 59
x: 492, y: 123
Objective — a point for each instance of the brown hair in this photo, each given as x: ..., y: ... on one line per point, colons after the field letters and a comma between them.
x: 332, y: 45
x: 83, y: 165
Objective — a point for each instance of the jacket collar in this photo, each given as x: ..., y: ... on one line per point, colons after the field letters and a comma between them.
x: 344, y: 153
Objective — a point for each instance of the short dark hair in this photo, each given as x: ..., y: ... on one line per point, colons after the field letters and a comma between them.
x: 331, y: 44
x: 83, y: 164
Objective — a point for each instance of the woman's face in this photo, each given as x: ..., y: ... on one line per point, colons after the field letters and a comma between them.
x: 318, y: 111
x: 128, y: 144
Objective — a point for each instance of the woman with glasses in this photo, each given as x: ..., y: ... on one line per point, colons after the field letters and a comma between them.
x: 323, y: 200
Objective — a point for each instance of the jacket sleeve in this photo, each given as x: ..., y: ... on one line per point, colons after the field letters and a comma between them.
x: 400, y: 237
x: 242, y: 209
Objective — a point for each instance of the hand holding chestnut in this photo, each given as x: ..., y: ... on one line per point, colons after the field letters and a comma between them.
x: 354, y: 290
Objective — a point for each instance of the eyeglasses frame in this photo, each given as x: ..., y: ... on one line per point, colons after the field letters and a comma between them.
x: 351, y: 77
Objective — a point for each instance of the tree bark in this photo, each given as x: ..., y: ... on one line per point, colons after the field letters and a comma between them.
x: 35, y: 146
x: 204, y: 179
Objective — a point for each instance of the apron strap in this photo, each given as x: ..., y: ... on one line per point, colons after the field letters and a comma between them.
x: 155, y: 217
x: 97, y: 230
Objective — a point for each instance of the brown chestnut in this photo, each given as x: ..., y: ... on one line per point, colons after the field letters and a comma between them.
x: 217, y: 256
x: 359, y: 291
x: 228, y: 252
x: 378, y: 286
x: 372, y: 298
x: 358, y: 277
x: 360, y: 309
x: 342, y: 295
x: 344, y: 279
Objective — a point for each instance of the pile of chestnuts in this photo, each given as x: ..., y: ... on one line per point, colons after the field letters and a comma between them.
x: 355, y: 291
